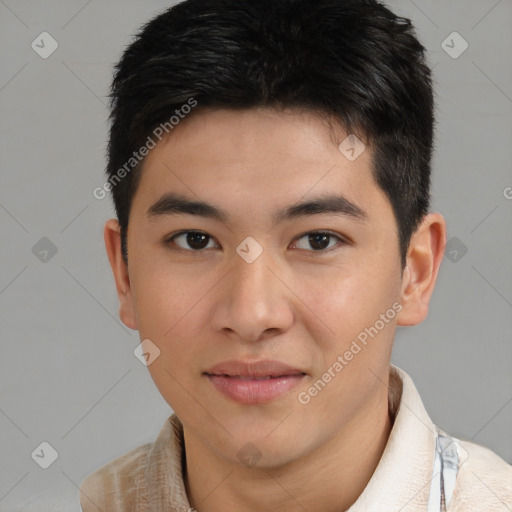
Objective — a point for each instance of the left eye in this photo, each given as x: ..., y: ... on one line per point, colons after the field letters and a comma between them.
x: 318, y: 240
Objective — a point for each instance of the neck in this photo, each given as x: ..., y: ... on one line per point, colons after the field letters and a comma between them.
x: 329, y: 478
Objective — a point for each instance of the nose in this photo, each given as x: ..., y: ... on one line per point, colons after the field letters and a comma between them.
x: 254, y: 303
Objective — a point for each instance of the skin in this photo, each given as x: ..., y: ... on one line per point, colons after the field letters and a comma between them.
x: 292, y: 304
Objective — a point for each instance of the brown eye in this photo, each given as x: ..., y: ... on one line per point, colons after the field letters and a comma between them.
x: 319, y: 240
x: 193, y: 240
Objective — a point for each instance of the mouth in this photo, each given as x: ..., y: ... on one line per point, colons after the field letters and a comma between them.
x: 254, y: 382
x: 253, y: 377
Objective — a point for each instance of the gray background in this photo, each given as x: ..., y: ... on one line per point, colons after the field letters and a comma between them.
x: 68, y: 375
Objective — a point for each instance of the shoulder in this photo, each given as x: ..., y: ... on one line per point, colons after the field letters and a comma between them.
x: 484, y: 480
x: 118, y: 485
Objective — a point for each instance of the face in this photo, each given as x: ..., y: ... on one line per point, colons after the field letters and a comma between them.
x: 250, y: 285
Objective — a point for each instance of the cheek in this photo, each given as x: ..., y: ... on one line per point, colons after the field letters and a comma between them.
x: 348, y: 301
x: 162, y: 298
x: 355, y: 357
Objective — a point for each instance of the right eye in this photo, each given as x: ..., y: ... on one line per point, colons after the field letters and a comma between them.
x: 196, y: 241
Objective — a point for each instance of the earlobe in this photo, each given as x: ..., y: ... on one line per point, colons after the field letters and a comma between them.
x: 424, y: 256
x: 112, y: 236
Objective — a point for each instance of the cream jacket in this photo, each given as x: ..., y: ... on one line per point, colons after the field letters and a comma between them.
x: 422, y: 469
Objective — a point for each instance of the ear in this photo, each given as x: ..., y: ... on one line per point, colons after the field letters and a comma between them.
x: 112, y: 235
x: 424, y: 256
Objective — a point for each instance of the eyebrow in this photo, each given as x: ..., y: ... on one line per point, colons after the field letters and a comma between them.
x: 171, y: 204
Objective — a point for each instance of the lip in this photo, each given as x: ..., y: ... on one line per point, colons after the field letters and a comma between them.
x: 254, y: 382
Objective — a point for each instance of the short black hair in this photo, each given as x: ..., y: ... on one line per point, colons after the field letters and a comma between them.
x: 353, y: 60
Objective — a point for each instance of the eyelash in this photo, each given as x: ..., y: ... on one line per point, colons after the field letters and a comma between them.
x: 168, y: 241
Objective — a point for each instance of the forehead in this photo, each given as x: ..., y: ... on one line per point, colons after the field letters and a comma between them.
x: 257, y: 159
x: 265, y: 133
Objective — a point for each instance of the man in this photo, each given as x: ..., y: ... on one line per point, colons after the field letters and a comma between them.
x: 269, y: 162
